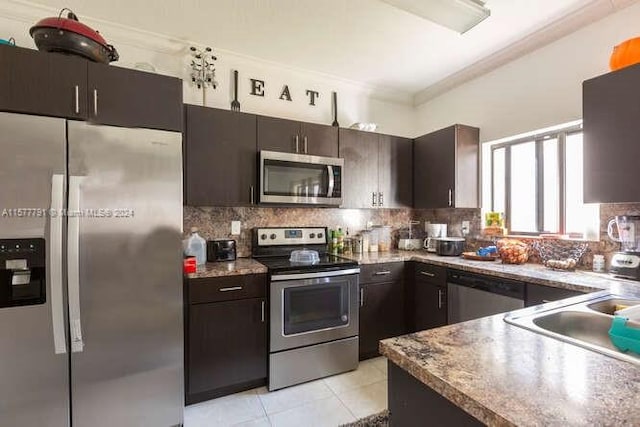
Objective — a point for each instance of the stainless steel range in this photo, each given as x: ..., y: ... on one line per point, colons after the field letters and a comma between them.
x: 313, y: 306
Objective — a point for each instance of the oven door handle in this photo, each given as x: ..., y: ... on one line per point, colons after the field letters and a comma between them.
x: 318, y: 275
x: 332, y: 182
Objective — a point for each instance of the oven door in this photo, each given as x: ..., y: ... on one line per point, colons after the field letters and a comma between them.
x: 300, y: 179
x: 313, y: 308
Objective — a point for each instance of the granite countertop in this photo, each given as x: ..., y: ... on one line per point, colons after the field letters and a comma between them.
x: 578, y: 280
x: 505, y: 375
x: 232, y: 268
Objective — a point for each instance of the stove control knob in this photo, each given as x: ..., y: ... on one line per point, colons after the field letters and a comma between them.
x: 273, y: 236
x: 319, y: 235
x: 312, y: 235
x: 263, y: 236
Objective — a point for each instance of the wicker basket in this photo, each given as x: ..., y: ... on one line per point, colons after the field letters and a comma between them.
x: 560, y: 254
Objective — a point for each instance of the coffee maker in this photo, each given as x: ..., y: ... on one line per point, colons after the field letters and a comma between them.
x: 434, y: 231
x: 626, y: 231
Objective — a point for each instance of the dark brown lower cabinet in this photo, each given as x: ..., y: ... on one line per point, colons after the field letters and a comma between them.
x: 381, y: 315
x: 226, y: 348
x: 539, y: 294
x: 412, y: 403
x: 430, y: 297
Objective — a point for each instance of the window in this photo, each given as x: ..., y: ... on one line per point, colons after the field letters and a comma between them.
x: 536, y: 180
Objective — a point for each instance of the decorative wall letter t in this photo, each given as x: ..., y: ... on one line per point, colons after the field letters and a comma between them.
x: 312, y: 96
x: 257, y: 87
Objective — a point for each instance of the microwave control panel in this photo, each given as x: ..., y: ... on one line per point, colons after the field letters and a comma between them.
x: 337, y: 181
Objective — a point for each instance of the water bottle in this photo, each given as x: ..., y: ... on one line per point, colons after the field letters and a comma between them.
x: 197, y: 247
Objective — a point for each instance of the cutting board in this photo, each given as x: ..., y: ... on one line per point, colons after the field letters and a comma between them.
x: 475, y: 257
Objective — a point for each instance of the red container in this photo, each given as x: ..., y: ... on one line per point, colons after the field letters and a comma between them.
x: 189, y: 265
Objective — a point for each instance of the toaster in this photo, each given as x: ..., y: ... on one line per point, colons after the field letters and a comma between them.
x: 221, y: 250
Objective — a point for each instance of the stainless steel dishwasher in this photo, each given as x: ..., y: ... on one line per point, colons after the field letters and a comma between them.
x: 471, y: 296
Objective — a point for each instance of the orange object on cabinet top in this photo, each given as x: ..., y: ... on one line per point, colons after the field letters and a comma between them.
x: 625, y: 54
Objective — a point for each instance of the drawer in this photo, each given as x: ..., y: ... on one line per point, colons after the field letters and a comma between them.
x: 539, y: 294
x: 378, y: 273
x: 227, y: 288
x: 431, y: 273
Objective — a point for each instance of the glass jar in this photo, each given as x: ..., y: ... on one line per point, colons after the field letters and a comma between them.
x: 366, y: 240
x: 373, y: 240
x: 598, y: 263
x: 384, y: 238
x: 357, y: 244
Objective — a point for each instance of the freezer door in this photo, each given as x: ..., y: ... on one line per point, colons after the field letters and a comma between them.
x: 125, y: 276
x: 34, y: 364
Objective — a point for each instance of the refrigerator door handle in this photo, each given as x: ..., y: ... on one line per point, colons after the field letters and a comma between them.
x: 73, y: 263
x: 55, y: 267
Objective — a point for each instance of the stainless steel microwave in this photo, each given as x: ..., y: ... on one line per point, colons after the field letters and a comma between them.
x: 289, y: 178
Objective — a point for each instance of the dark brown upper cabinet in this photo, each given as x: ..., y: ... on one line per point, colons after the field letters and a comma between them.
x: 47, y: 84
x: 377, y: 170
x: 289, y: 136
x: 360, y: 176
x: 131, y: 98
x: 395, y: 176
x: 445, y: 168
x: 610, y: 112
x: 52, y: 84
x: 219, y: 157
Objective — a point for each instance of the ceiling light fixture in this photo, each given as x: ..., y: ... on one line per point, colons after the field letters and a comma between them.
x: 457, y: 15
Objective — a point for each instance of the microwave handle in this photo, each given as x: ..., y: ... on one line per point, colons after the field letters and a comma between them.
x: 332, y: 182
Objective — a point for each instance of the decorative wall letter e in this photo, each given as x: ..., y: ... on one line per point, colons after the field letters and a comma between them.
x: 257, y: 87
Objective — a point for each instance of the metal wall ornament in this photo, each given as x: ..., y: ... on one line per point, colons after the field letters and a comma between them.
x: 203, y: 72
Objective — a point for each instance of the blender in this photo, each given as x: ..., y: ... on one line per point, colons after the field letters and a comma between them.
x: 626, y: 231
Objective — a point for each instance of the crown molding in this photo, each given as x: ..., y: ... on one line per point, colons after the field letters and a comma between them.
x: 551, y: 32
x: 30, y: 13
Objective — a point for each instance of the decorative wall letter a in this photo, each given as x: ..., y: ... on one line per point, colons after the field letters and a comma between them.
x: 285, y: 93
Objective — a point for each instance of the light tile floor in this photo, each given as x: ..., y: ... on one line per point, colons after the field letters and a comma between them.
x: 326, y: 402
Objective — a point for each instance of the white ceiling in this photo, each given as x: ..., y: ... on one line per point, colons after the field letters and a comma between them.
x: 367, y: 41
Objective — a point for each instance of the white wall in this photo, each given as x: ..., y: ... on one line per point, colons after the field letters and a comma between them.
x: 541, y: 89
x: 356, y: 103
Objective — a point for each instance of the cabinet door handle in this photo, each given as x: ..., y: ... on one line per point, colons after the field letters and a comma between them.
x: 380, y: 199
x: 440, y: 293
x: 77, y: 93
x: 450, y: 197
x: 374, y: 199
x: 361, y: 297
x: 251, y: 192
x: 426, y: 273
x: 233, y: 288
x: 262, y: 311
x: 297, y: 141
x: 95, y: 102
x: 382, y: 273
x: 306, y: 145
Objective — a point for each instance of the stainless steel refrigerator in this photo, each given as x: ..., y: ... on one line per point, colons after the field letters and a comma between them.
x: 91, y: 324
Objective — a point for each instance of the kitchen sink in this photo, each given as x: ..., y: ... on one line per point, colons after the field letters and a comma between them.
x: 583, y: 321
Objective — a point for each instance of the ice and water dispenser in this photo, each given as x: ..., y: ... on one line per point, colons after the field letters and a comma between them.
x: 22, y: 272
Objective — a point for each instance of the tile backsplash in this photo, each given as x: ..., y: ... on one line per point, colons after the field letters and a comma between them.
x: 215, y: 222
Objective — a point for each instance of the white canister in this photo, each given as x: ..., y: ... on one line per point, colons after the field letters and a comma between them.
x: 598, y: 263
